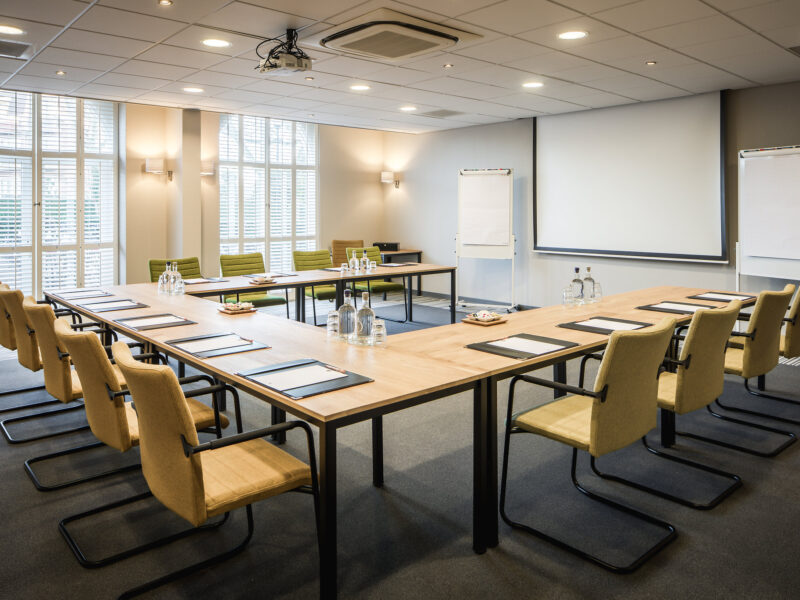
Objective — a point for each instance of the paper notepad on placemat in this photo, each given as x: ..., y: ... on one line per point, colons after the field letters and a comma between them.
x: 522, y: 346
x: 154, y: 321
x: 299, y: 377
x: 604, y: 325
x: 721, y: 296
x: 681, y: 308
x: 395, y: 265
x: 216, y: 344
x: 109, y: 305
x: 302, y: 378
x: 80, y: 294
x: 197, y: 280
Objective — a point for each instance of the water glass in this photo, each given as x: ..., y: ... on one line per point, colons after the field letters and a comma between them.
x: 344, y: 268
x: 379, y: 332
x: 333, y: 324
x: 598, y: 293
x: 567, y: 297
x: 373, y: 265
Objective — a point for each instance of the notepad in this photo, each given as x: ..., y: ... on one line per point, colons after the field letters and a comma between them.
x: 300, y: 377
x: 520, y: 344
x: 270, y: 275
x: 80, y: 294
x: 610, y: 325
x: 218, y: 342
x: 721, y: 296
x: 108, y: 305
x: 679, y: 306
x: 141, y: 322
x: 395, y: 264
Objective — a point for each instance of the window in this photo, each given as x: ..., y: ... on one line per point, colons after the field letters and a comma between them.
x: 58, y: 190
x: 267, y: 188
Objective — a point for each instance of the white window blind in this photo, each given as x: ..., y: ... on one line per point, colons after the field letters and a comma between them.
x: 58, y: 195
x: 268, y: 188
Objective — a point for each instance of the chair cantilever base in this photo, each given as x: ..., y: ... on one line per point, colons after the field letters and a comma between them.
x: 761, y: 394
x: 42, y: 487
x: 620, y: 569
x: 736, y: 480
x: 42, y: 414
x: 792, y: 438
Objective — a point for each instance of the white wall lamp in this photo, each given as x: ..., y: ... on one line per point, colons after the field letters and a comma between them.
x: 390, y: 177
x: 207, y: 168
x: 155, y: 166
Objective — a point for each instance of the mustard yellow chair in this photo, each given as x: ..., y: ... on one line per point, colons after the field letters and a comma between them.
x: 189, y: 268
x: 248, y: 264
x: 790, y: 340
x: 339, y: 250
x: 620, y: 410
x: 310, y: 260
x: 759, y: 351
x: 377, y: 286
x: 198, y: 481
x: 695, y: 380
x: 115, y: 424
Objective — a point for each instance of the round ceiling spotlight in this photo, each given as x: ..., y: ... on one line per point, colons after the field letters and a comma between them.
x: 408, y: 108
x: 193, y: 90
x: 650, y: 63
x: 572, y: 35
x: 216, y: 43
x: 532, y: 84
x: 359, y: 87
x: 165, y: 2
x: 61, y: 73
x: 309, y: 78
x: 11, y: 30
x: 447, y: 66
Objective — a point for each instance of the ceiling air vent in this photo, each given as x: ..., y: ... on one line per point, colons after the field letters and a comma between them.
x: 795, y: 49
x: 12, y: 49
x: 441, y: 114
x: 389, y: 35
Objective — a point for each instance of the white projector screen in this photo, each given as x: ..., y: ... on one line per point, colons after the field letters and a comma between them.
x: 640, y: 180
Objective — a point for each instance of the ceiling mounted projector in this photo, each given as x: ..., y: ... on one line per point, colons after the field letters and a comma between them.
x: 285, y: 58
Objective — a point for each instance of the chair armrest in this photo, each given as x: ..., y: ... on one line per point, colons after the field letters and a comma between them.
x: 792, y: 320
x: 675, y: 361
x: 571, y: 389
x: 751, y: 335
x: 743, y: 316
x: 188, y: 449
x: 84, y: 324
x: 584, y: 360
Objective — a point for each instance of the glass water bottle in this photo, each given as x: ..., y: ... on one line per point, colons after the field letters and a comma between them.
x: 577, y: 287
x: 347, y: 317
x: 365, y: 318
x: 588, y: 286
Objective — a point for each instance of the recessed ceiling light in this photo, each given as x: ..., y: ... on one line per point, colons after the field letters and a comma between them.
x: 360, y: 87
x: 572, y: 35
x: 165, y: 2
x: 532, y: 84
x: 216, y: 43
x: 309, y: 78
x: 447, y: 66
x: 61, y: 73
x: 310, y: 114
x: 408, y: 108
x: 11, y: 30
x: 650, y: 63
x: 193, y: 90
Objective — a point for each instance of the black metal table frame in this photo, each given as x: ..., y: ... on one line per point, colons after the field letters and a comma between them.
x: 396, y: 253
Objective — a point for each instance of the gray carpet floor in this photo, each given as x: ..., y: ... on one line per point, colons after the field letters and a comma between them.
x: 412, y: 538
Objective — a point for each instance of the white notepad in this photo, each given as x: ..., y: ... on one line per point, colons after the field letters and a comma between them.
x: 104, y: 305
x: 299, y: 377
x: 77, y: 294
x: 610, y: 325
x: 196, y: 280
x: 393, y: 265
x: 722, y: 297
x: 214, y: 343
x: 146, y: 322
x: 679, y: 306
x: 525, y: 345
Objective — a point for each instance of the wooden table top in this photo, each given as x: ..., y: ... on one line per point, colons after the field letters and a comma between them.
x: 402, y: 251
x: 411, y: 365
x: 312, y: 277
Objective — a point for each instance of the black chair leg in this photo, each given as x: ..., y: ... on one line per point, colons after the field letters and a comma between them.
x: 758, y: 413
x: 90, y: 563
x: 64, y: 484
x: 792, y: 438
x: 761, y: 394
x: 12, y: 440
x: 736, y: 480
x: 26, y: 406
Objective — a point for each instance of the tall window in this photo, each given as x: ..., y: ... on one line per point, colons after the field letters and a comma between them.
x: 58, y: 183
x: 267, y: 188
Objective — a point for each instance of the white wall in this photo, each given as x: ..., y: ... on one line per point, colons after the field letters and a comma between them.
x: 422, y: 213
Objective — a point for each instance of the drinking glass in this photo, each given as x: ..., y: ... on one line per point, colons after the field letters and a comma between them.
x: 598, y: 293
x: 567, y: 297
x: 373, y: 265
x: 379, y: 332
x: 344, y: 268
x: 333, y: 324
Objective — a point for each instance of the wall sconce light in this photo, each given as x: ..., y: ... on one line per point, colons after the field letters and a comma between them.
x: 207, y: 168
x: 390, y: 177
x: 155, y: 166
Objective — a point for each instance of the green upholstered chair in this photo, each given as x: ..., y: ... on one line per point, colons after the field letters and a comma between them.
x: 377, y: 287
x: 189, y: 268
x: 246, y: 264
x: 309, y: 260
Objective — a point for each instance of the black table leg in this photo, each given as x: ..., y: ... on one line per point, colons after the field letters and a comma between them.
x: 484, y: 499
x: 453, y: 296
x: 339, y: 293
x: 410, y: 299
x: 278, y: 416
x: 298, y: 310
x: 667, y: 428
x: 419, y: 277
x: 301, y: 291
x: 377, y: 451
x: 327, y: 512
x: 559, y: 375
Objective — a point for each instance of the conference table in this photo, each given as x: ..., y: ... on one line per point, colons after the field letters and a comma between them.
x: 393, y: 255
x: 411, y: 369
x: 300, y: 280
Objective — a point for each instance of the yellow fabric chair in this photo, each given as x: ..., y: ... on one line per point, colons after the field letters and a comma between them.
x: 618, y: 411
x: 189, y: 268
x: 198, y: 481
x: 758, y: 353
x: 248, y: 264
x: 339, y: 250
x: 790, y: 340
x: 695, y: 382
x: 310, y: 260
x: 114, y: 422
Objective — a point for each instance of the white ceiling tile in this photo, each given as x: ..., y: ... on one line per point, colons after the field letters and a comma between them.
x: 593, y: 6
x: 399, y: 76
x: 43, y: 11
x: 296, y: 103
x: 539, y: 103
x: 709, y: 29
x: 37, y: 35
x: 514, y: 16
x: 10, y: 65
x: 503, y: 50
x: 649, y: 14
x: 621, y: 47
x: 188, y: 12
x: 249, y: 97
x: 548, y: 35
x: 638, y: 62
x: 350, y: 67
x: 770, y: 16
x: 620, y: 83
x: 450, y: 8
x: 182, y: 57
x: 366, y: 7
x: 161, y: 97
x: 319, y: 78
x: 654, y: 90
x: 310, y: 9
x: 52, y: 84
x: 435, y: 64
x: 699, y: 77
x: 602, y: 99
x: 730, y: 5
x: 323, y: 95
x: 506, y: 112
x: 177, y: 88
x: 752, y: 43
x: 192, y: 37
x: 788, y: 37
x: 478, y: 119
x: 255, y: 20
x: 73, y: 58
x: 550, y: 63
x: 220, y: 104
x: 773, y: 66
x: 150, y: 69
x: 98, y: 90
x: 500, y: 76
x: 588, y: 73
x: 132, y: 81
x: 41, y: 69
x: 271, y: 86
x: 113, y: 21
x: 88, y: 41
x: 460, y: 87
x: 235, y: 66
x: 219, y: 79
x: 484, y: 34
